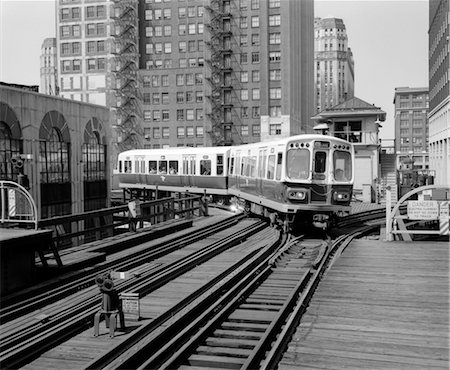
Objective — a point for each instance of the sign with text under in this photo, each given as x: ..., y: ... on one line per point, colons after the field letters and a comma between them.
x: 423, y: 210
x: 130, y: 305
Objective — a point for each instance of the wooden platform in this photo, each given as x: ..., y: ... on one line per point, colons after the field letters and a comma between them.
x: 383, y: 305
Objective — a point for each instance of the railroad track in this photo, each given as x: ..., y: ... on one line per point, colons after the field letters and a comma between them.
x: 248, y: 323
x: 29, y: 339
x: 72, y: 283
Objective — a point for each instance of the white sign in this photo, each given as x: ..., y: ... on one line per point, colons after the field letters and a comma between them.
x: 444, y: 210
x: 11, y: 202
x: 423, y: 210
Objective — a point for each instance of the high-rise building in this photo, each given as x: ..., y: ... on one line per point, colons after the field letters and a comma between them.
x: 98, y: 52
x: 439, y: 85
x: 411, y: 125
x: 48, y: 71
x: 334, y: 65
x: 225, y: 72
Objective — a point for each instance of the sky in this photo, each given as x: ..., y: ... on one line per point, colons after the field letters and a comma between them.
x: 388, y: 38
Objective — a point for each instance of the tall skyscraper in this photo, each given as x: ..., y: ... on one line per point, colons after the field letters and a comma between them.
x: 411, y: 125
x: 439, y: 85
x: 334, y: 65
x: 98, y: 52
x: 48, y: 71
x: 225, y: 72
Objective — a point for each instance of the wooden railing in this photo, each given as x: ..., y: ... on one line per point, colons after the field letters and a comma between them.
x: 73, y: 230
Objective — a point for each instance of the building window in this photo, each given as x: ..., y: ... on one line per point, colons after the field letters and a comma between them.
x: 180, y: 114
x: 244, y: 112
x: 244, y: 58
x: 255, y: 21
x: 244, y: 130
x: 255, y: 112
x: 275, y: 111
x: 274, y: 3
x: 180, y: 97
x: 256, y: 130
x: 244, y: 94
x: 199, y: 114
x: 255, y: 57
x: 274, y: 57
x: 165, y: 115
x: 189, y: 114
x: 165, y: 98
x: 275, y: 75
x: 255, y: 4
x: 165, y: 132
x: 243, y: 22
x: 156, y: 115
x: 255, y: 39
x: 255, y: 94
x: 275, y: 129
x: 275, y: 93
x: 199, y: 96
x: 274, y: 38
x: 156, y: 133
x: 180, y: 132
x: 244, y: 76
x: 274, y: 20
x: 190, y: 131
x: 164, y: 80
x: 199, y: 131
x: 147, y: 115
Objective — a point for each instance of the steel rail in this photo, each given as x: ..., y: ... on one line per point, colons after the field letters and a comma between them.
x: 28, y: 343
x: 86, y: 278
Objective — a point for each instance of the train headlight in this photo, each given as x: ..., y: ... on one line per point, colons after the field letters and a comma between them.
x: 297, y: 194
x: 341, y: 196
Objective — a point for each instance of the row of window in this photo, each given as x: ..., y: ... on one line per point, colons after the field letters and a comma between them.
x: 74, y: 48
x: 183, y: 47
x: 91, y: 12
x: 243, y: 4
x: 97, y: 64
x: 92, y: 29
x: 183, y: 29
x: 164, y: 115
x: 274, y: 57
x: 164, y: 132
x: 415, y: 131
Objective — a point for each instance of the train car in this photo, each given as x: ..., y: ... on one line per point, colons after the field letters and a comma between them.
x: 305, y: 178
x: 197, y: 170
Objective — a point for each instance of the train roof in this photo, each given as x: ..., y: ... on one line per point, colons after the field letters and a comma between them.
x: 224, y: 149
x: 176, y: 150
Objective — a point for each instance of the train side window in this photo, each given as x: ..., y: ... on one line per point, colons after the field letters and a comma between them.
x: 279, y: 162
x: 173, y: 167
x: 219, y: 168
x: 252, y: 171
x: 320, y: 162
x: 262, y: 163
x: 152, y: 166
x: 342, y: 164
x: 271, y: 167
x: 142, y: 166
x: 120, y: 166
x: 297, y: 164
x: 205, y: 167
x: 162, y: 167
x: 127, y: 166
x: 232, y: 166
x: 136, y: 166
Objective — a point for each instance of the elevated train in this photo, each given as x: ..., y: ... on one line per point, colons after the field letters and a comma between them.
x: 304, y: 178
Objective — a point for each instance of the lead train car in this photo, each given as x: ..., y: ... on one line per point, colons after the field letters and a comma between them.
x: 304, y: 178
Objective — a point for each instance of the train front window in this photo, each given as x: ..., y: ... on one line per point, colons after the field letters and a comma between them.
x: 342, y: 164
x: 297, y: 163
x: 320, y: 162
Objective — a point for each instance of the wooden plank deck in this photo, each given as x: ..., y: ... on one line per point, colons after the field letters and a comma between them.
x: 383, y: 305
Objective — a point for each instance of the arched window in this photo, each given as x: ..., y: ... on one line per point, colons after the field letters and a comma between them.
x: 94, y: 166
x: 10, y: 142
x: 54, y: 160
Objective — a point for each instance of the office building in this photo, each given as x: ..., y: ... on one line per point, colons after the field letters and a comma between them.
x: 411, y: 126
x: 225, y: 71
x: 439, y: 85
x: 334, y: 65
x: 48, y: 70
x: 98, y: 61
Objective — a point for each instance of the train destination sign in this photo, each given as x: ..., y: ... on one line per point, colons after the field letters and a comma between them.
x: 423, y: 210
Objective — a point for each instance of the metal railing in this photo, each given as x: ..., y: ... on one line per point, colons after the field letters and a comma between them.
x: 16, y: 205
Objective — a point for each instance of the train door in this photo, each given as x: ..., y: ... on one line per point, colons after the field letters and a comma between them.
x: 320, y: 164
x: 188, y: 169
x: 262, y: 160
